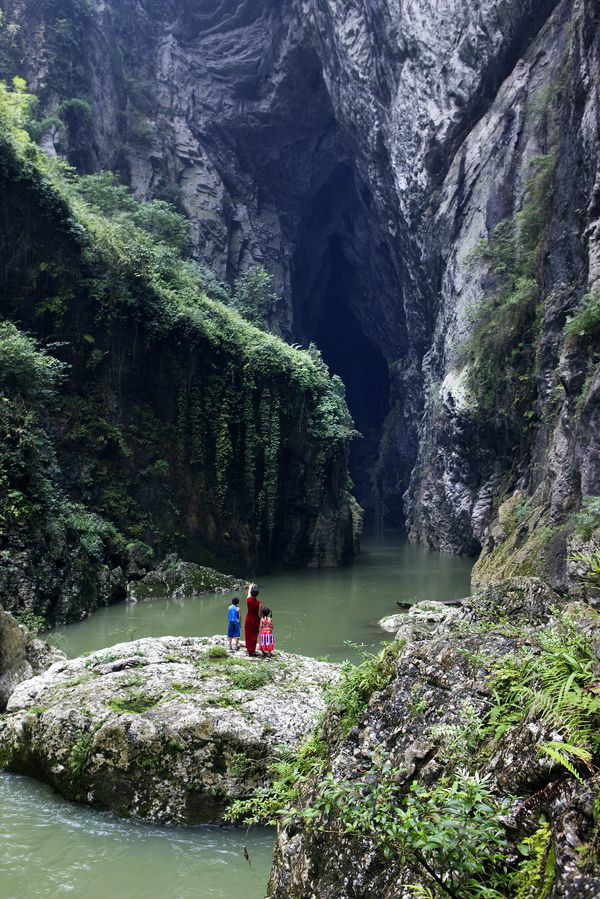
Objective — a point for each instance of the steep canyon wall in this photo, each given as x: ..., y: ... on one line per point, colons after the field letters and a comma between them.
x: 360, y: 152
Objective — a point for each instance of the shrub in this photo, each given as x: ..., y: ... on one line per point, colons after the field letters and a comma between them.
x: 587, y: 318
x: 588, y: 518
x: 591, y: 561
x: 289, y: 778
x: 452, y: 832
x: 253, y: 296
x: 33, y: 624
x: 535, y: 875
x: 500, y: 352
x: 359, y: 682
x: 554, y: 682
x: 27, y: 371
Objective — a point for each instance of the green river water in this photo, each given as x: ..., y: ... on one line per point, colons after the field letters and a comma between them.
x: 52, y: 848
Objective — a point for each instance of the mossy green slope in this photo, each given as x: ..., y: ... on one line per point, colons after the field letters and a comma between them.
x: 172, y: 421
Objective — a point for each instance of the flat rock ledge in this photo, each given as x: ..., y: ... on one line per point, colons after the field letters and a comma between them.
x: 166, y: 729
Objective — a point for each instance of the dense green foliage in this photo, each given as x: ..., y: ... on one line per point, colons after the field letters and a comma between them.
x: 591, y: 563
x: 452, y: 833
x: 501, y: 350
x: 556, y: 682
x: 289, y: 778
x: 161, y: 378
x: 358, y: 683
x: 587, y: 520
x: 586, y: 320
x: 33, y: 506
x: 534, y: 878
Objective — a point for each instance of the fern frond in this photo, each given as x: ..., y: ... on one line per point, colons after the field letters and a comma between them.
x: 565, y: 753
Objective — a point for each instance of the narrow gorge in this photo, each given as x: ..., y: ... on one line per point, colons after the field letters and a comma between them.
x: 274, y: 273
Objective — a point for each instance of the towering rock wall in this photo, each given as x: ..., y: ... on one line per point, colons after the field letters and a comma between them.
x: 359, y: 151
x: 535, y: 437
x: 143, y: 415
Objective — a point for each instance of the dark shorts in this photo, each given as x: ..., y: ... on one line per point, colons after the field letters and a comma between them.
x: 233, y: 629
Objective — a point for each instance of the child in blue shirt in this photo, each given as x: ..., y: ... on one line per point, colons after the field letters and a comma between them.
x: 233, y: 624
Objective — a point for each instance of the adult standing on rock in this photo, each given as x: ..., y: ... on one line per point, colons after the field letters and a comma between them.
x: 252, y: 620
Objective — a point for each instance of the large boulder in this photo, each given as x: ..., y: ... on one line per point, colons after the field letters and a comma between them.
x: 21, y: 656
x: 176, y: 578
x: 168, y: 729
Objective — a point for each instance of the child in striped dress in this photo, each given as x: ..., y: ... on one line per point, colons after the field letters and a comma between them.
x: 265, y: 637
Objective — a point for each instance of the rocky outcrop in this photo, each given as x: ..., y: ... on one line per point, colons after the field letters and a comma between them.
x: 21, y: 656
x: 167, y: 729
x: 538, y: 441
x: 430, y: 722
x: 176, y: 578
x: 159, y: 416
x: 428, y: 612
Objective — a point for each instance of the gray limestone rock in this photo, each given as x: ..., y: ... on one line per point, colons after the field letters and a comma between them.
x: 168, y: 729
x: 440, y: 691
x: 21, y: 656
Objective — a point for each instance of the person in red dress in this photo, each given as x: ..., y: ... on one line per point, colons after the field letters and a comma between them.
x: 267, y: 643
x: 252, y: 620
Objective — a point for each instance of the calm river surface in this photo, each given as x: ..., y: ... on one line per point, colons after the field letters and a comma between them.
x: 52, y: 848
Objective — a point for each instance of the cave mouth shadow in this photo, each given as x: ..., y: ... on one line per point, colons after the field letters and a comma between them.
x: 331, y: 308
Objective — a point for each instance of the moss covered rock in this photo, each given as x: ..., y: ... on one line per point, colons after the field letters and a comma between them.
x: 167, y: 729
x: 176, y: 578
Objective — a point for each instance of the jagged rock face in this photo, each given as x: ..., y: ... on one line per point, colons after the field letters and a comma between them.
x: 465, y: 461
x: 21, y: 656
x: 359, y: 152
x: 309, y: 138
x: 437, y: 677
x: 167, y: 729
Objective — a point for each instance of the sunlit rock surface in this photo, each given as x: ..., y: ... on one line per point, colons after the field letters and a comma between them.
x: 166, y: 729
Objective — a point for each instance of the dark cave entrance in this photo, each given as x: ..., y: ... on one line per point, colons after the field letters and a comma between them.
x: 333, y: 311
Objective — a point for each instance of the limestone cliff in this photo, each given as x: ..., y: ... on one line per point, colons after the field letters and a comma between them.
x: 144, y: 415
x: 360, y: 151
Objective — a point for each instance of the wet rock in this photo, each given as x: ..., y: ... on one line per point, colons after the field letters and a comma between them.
x: 392, y: 622
x: 173, y: 578
x: 428, y: 612
x: 21, y: 656
x: 167, y: 729
x: 431, y: 612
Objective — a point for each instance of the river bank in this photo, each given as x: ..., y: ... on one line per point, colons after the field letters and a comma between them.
x: 72, y: 850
